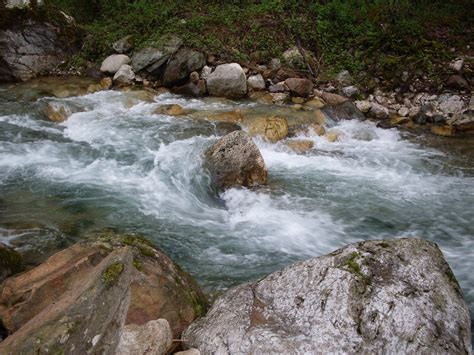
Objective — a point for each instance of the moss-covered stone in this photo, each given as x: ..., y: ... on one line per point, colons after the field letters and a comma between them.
x: 112, y: 273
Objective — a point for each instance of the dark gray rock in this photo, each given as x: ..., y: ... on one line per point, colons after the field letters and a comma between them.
x: 123, y: 45
x: 381, y: 296
x: 234, y: 160
x: 181, y: 65
x: 344, y: 111
x: 33, y: 48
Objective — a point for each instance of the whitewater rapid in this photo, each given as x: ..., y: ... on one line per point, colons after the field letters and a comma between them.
x: 117, y: 164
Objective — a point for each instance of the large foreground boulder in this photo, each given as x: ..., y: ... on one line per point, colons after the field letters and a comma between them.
x: 234, y: 160
x: 227, y: 80
x: 388, y: 296
x: 29, y: 47
x: 83, y: 298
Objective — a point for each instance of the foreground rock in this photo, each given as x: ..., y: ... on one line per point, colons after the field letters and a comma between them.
x: 234, y: 160
x: 390, y: 296
x: 83, y: 298
x: 30, y: 48
x: 227, y: 80
x: 11, y: 262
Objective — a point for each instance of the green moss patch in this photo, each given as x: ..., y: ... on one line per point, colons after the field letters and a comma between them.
x: 112, y: 273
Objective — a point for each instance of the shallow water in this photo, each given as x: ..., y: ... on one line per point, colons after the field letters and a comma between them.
x: 116, y: 164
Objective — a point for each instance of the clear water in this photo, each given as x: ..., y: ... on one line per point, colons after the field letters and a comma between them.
x: 119, y: 165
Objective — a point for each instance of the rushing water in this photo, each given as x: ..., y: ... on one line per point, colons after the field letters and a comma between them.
x: 116, y: 164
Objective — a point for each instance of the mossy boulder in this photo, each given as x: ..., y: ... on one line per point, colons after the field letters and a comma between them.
x: 379, y: 296
x: 11, y: 262
x: 82, y: 298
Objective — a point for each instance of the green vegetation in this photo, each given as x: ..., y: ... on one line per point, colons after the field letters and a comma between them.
x: 381, y: 37
x: 111, y: 274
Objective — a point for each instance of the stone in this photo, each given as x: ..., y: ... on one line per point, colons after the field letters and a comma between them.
x: 377, y: 296
x: 192, y: 351
x: 363, y: 105
x: 463, y: 122
x: 279, y: 98
x: 414, y: 111
x: 194, y: 77
x: 299, y: 86
x: 124, y: 76
x: 456, y: 65
x: 350, y: 91
x: 344, y: 111
x: 451, y: 104
x: 332, y: 99
x: 300, y: 146
x: 378, y: 111
x: 271, y: 128
x: 123, y: 45
x: 293, y: 57
x: 151, y: 59
x: 30, y: 48
x: 11, y: 262
x: 81, y: 298
x: 197, y: 89
x: 227, y: 80
x: 274, y: 64
x: 170, y: 110
x: 113, y: 62
x: 206, y: 70
x: 457, y: 81
x: 399, y: 120
x: 256, y: 82
x: 444, y: 131
x: 226, y: 116
x: 332, y: 136
x: 181, y: 65
x: 57, y: 111
x: 278, y: 88
x: 234, y: 160
x: 297, y: 100
x: 315, y: 102
x: 471, y: 103
x: 152, y: 338
x: 344, y: 78
x: 403, y: 111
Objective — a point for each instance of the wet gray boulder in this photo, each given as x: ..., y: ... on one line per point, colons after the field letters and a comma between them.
x: 227, y: 80
x: 151, y: 59
x: 11, y: 262
x: 234, y: 160
x: 382, y: 296
x: 32, y: 48
x: 181, y: 65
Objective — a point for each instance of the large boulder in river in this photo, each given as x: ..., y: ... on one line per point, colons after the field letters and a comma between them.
x: 83, y: 298
x: 234, y: 160
x: 227, y: 80
x: 381, y: 296
x: 181, y: 64
x: 29, y: 47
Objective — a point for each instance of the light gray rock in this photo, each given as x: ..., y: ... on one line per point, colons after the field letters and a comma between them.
x: 403, y: 111
x: 378, y: 111
x: 274, y: 64
x: 363, y: 105
x: 456, y: 64
x: 31, y: 48
x: 450, y: 104
x: 123, y: 45
x: 227, y: 80
x: 181, y: 65
x: 151, y: 59
x: 152, y: 338
x: 256, y: 82
x: 293, y: 57
x: 124, y: 76
x: 344, y: 78
x: 189, y: 352
x: 206, y: 70
x: 350, y: 91
x: 234, y: 160
x: 382, y: 296
x: 113, y: 62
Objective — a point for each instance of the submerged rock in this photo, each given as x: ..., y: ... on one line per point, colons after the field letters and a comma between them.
x: 82, y: 298
x: 271, y: 128
x: 227, y: 80
x: 11, y: 262
x: 379, y: 296
x: 234, y: 160
x: 300, y: 146
x: 170, y: 110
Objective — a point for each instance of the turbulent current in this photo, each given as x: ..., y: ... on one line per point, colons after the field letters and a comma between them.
x: 114, y: 163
